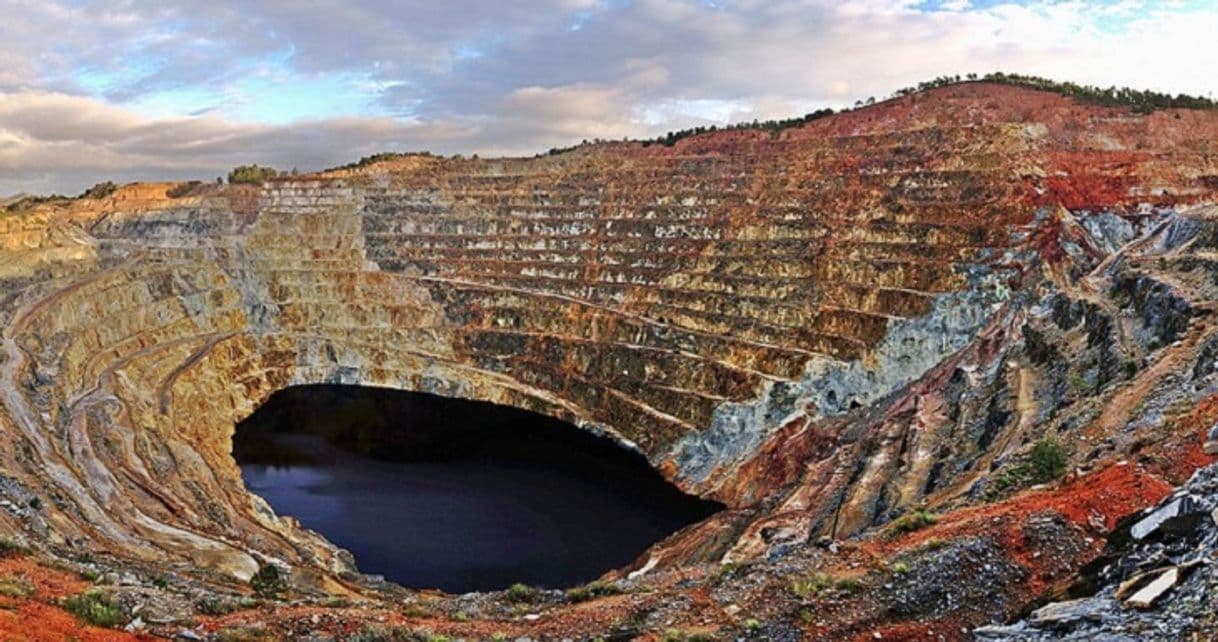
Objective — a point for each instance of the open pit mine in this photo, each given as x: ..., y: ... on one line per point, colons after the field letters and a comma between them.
x: 949, y: 363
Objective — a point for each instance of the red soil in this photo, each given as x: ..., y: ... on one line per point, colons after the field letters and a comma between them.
x: 36, y: 618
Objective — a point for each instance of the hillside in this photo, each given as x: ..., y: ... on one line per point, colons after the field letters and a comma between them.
x: 930, y: 353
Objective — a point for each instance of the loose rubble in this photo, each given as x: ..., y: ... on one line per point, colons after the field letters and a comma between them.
x: 1162, y: 586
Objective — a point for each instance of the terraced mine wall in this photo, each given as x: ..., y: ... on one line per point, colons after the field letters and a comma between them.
x: 701, y: 303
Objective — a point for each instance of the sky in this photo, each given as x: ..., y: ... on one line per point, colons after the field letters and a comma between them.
x: 130, y: 90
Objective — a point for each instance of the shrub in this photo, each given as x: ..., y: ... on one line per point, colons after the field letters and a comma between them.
x: 848, y: 585
x: 214, y: 606
x: 727, y: 570
x: 932, y: 544
x: 268, y: 582
x: 821, y: 583
x: 245, y: 634
x: 521, y: 593
x: 914, y: 520
x: 182, y: 189
x: 372, y: 633
x: 96, y: 608
x: 1047, y: 460
x: 16, y: 587
x: 100, y: 190
x: 1131, y: 368
x: 592, y: 590
x: 251, y: 175
x: 415, y: 611
x: 10, y: 547
x: 815, y: 586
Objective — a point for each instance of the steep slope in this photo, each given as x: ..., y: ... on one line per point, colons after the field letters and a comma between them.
x: 823, y: 328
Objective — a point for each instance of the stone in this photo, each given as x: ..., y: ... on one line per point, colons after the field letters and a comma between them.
x: 999, y: 633
x: 1211, y: 441
x: 1145, y: 597
x: 1060, y: 615
x: 821, y: 327
x: 1157, y: 517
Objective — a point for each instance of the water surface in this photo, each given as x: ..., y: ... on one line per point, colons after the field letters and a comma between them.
x: 461, y: 496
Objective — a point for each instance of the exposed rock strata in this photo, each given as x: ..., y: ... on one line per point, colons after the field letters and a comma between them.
x: 821, y: 328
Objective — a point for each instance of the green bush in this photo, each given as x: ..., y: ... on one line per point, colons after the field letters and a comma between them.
x: 215, y: 606
x: 1047, y: 460
x: 822, y: 584
x: 100, y: 190
x: 251, y: 175
x: 96, y: 608
x: 16, y: 587
x: 1131, y: 368
x: 521, y: 593
x: 182, y: 189
x: 815, y: 586
x: 246, y: 634
x: 914, y: 520
x: 372, y: 633
x: 268, y: 582
x: 10, y: 547
x: 592, y: 590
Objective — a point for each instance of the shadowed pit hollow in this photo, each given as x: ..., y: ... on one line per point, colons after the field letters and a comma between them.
x: 434, y: 492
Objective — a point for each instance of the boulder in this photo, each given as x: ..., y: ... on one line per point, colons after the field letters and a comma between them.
x: 1065, y: 615
x: 1178, y: 507
x: 1145, y: 597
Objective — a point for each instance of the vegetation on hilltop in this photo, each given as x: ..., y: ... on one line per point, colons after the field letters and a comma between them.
x: 669, y: 139
x: 26, y: 203
x: 251, y: 175
x: 380, y: 158
x: 1142, y: 101
x: 100, y: 190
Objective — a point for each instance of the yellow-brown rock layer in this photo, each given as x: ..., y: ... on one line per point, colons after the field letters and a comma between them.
x: 694, y: 302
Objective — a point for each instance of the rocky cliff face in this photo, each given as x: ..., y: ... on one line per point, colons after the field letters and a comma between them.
x: 823, y: 328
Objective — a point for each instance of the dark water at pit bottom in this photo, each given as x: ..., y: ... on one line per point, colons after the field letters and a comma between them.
x: 462, y: 496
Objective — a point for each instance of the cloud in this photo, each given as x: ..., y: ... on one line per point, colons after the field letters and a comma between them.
x: 55, y: 142
x: 174, y: 88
